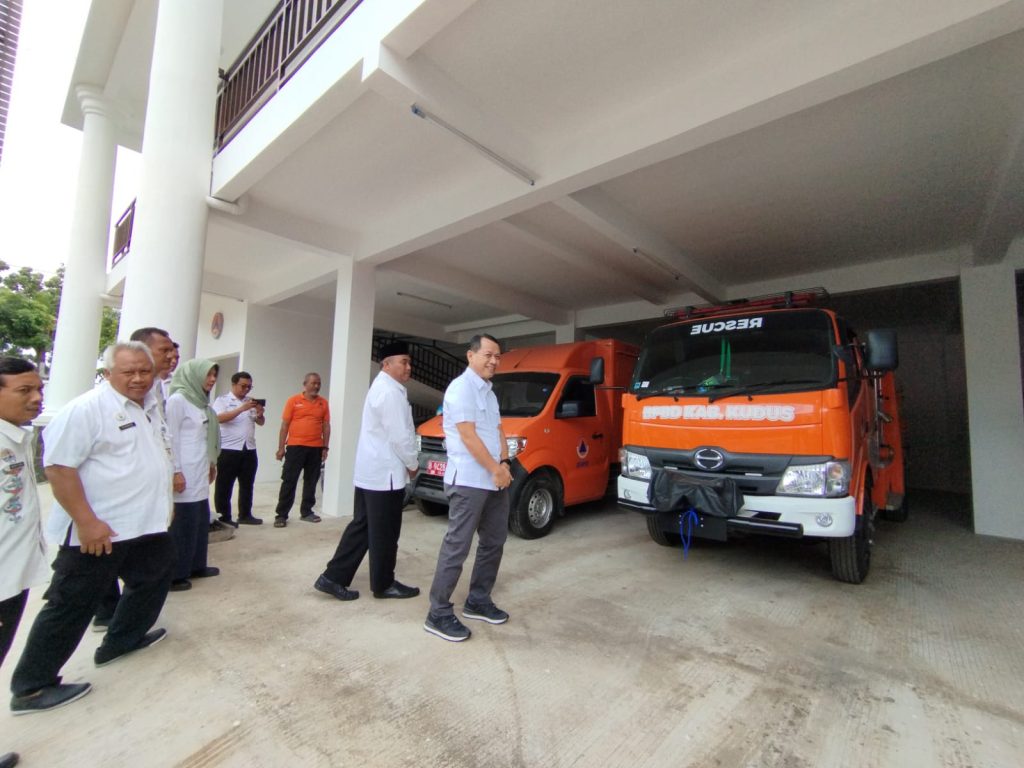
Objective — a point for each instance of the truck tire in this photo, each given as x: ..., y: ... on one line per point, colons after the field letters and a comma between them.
x: 431, y: 508
x: 659, y: 535
x: 539, y: 502
x: 851, y: 555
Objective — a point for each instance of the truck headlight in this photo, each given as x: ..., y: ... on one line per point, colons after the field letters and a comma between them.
x: 419, y: 443
x: 516, y: 445
x: 829, y: 479
x: 634, y: 465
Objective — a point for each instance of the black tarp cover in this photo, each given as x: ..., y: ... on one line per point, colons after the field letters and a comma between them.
x: 675, y: 491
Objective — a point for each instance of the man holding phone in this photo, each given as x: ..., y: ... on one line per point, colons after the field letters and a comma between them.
x: 239, y: 415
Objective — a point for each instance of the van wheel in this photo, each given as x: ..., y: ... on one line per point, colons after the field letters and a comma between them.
x: 431, y: 508
x: 851, y: 555
x: 539, y: 502
x: 660, y: 535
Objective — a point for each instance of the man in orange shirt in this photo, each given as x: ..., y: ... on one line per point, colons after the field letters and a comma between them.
x: 305, y: 434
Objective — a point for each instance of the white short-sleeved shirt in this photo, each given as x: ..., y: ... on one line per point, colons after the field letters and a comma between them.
x: 387, y: 437
x: 470, y: 398
x: 122, y: 453
x: 239, y: 432
x: 22, y: 549
x: 188, y: 446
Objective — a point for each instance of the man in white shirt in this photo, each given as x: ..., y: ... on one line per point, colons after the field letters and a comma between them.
x: 239, y: 415
x: 22, y: 549
x: 385, y: 461
x: 108, y: 461
x: 476, y: 483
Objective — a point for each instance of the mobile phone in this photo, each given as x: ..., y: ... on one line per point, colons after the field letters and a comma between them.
x: 260, y: 401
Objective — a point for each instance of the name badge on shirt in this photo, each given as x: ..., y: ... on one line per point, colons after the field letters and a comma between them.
x: 129, y: 425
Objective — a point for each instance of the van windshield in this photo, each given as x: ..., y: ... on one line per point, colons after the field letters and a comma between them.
x: 783, y: 351
x: 521, y: 393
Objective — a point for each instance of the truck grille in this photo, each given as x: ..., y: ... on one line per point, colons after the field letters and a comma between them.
x: 432, y: 482
x: 754, y: 474
x: 432, y: 444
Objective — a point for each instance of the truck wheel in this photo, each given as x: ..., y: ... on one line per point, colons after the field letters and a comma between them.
x: 539, y: 502
x: 851, y: 555
x: 431, y: 508
x: 659, y: 535
x: 897, y: 515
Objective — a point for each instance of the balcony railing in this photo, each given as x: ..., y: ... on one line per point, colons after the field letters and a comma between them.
x: 123, y: 235
x: 294, y: 30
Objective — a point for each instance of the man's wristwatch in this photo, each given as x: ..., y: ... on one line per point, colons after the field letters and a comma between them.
x: 506, y: 461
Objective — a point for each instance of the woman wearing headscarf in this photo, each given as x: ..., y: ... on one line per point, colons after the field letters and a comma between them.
x: 195, y: 443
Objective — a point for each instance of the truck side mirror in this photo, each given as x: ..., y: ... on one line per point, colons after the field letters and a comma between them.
x: 881, y: 353
x: 568, y: 409
x: 597, y: 370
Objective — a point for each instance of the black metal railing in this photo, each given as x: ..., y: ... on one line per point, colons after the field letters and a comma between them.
x: 289, y: 36
x: 431, y: 365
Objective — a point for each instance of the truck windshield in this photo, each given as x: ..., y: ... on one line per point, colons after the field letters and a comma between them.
x: 768, y: 352
x: 521, y: 393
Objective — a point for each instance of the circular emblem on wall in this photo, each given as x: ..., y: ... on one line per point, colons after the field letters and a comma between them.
x: 217, y: 326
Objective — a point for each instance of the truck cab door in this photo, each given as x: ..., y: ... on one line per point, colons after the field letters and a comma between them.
x: 582, y: 439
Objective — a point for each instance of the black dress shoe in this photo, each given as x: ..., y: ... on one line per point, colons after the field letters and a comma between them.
x: 397, y: 590
x: 9, y: 760
x: 181, y: 585
x: 334, y: 589
x: 48, y: 698
x: 105, y: 655
x: 249, y: 520
x: 205, y: 573
x: 228, y: 521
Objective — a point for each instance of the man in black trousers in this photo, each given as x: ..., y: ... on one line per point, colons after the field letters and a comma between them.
x: 385, y: 461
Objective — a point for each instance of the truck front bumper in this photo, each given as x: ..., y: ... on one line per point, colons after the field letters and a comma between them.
x: 788, y: 516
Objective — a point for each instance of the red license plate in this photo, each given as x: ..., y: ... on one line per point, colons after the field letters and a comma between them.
x: 436, y: 467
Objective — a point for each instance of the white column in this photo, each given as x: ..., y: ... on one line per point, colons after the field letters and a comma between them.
x: 995, y: 412
x: 350, y: 379
x: 566, y: 334
x: 76, y: 345
x: 165, y: 266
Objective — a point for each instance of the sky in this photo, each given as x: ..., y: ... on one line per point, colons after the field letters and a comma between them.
x: 39, y: 166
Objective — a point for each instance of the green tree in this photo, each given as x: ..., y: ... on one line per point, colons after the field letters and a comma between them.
x: 28, y: 311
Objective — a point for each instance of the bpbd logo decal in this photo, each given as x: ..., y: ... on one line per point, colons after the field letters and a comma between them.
x: 582, y: 450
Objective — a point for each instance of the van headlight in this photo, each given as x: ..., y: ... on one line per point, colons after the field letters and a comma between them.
x: 829, y: 479
x: 419, y: 443
x: 516, y: 445
x: 634, y: 465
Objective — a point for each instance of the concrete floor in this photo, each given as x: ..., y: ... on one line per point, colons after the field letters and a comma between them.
x: 619, y: 653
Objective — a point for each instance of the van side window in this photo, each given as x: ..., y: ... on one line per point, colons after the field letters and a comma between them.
x: 577, y: 399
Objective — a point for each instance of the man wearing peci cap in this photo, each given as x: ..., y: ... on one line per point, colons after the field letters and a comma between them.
x: 385, y: 461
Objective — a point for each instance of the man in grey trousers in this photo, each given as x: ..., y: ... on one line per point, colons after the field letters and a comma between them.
x: 476, y: 483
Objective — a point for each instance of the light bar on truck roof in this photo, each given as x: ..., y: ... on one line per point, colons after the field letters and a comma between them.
x: 806, y: 297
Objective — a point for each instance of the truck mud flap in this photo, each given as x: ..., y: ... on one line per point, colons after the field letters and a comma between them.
x: 714, y: 497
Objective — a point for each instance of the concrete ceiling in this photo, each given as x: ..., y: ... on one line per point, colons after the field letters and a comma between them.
x: 682, y: 151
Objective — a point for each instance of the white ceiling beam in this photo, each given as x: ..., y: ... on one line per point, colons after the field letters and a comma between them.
x: 597, y: 210
x: 615, y: 273
x: 482, y: 291
x: 1003, y: 218
x: 407, y: 325
x: 900, y: 270
x: 406, y: 83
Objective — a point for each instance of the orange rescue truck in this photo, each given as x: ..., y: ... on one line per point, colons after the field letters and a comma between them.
x: 765, y: 416
x: 561, y: 412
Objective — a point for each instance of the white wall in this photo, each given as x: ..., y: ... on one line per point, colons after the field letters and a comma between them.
x: 281, y: 346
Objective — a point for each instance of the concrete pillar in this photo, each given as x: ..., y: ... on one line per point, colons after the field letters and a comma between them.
x: 350, y: 378
x: 566, y: 334
x: 995, y: 411
x: 165, y: 267
x: 78, y: 321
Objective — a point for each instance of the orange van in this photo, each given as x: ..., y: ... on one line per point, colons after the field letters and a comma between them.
x: 561, y: 412
x: 766, y: 416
